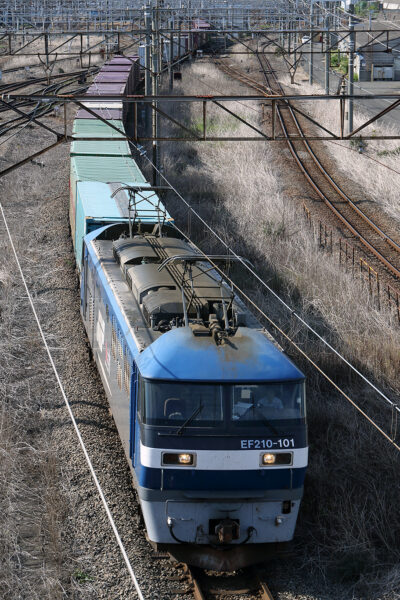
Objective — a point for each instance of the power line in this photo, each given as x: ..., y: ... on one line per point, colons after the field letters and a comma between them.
x: 297, y: 347
x: 286, y: 306
x: 74, y: 423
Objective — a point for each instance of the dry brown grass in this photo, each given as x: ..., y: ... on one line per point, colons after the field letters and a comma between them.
x: 349, y: 521
x: 32, y: 506
x: 242, y: 183
x: 379, y: 183
x: 37, y: 502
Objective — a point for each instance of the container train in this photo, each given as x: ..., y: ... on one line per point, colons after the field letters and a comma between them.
x: 210, y: 412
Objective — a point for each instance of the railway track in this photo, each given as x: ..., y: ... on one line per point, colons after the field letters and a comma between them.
x: 7, y: 88
x: 247, y: 584
x: 363, y: 230
x: 59, y: 83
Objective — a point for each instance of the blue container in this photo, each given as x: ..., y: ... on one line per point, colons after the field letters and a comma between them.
x: 95, y: 208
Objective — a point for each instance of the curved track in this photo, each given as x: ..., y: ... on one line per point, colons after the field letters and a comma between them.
x: 363, y: 229
x: 61, y: 81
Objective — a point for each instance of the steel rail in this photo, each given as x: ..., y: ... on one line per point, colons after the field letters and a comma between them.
x: 267, y: 70
x: 389, y: 265
x: 261, y: 590
x: 333, y: 208
x: 371, y: 223
x: 316, y: 160
x: 8, y: 87
x: 39, y: 111
x: 264, y: 589
x: 250, y: 81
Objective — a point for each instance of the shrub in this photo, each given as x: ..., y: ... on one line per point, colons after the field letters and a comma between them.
x: 335, y: 58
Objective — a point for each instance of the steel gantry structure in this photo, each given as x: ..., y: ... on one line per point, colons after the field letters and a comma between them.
x: 296, y: 30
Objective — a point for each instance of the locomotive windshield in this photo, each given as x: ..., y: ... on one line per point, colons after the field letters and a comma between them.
x: 174, y: 403
x: 252, y: 403
x: 206, y: 405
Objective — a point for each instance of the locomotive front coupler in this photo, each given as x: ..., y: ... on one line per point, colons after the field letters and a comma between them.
x: 227, y: 530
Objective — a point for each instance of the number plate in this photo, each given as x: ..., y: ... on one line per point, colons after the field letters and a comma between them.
x: 267, y: 444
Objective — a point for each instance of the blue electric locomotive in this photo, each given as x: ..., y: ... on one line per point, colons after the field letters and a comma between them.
x: 210, y: 411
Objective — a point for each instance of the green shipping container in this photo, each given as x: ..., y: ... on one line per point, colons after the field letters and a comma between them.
x: 113, y: 147
x: 105, y: 169
x: 96, y: 128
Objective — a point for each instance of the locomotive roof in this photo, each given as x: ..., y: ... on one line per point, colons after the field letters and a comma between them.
x: 250, y: 356
x: 183, y: 353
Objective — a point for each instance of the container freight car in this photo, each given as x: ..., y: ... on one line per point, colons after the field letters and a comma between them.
x: 99, y: 169
x: 201, y: 36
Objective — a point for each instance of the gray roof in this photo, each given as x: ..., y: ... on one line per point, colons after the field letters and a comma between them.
x: 380, y: 46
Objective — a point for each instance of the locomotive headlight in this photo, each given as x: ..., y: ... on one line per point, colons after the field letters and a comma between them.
x: 276, y: 458
x: 185, y: 459
x: 268, y: 458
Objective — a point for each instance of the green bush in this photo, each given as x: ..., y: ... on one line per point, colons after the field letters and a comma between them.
x: 81, y: 576
x: 358, y: 142
x: 344, y: 64
x: 335, y: 59
x: 363, y: 7
x: 355, y: 77
x: 339, y: 62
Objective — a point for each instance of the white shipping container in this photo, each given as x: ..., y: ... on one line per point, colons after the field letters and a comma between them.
x: 166, y: 44
x: 142, y: 54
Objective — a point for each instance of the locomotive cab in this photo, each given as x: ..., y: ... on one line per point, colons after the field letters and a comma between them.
x: 220, y: 457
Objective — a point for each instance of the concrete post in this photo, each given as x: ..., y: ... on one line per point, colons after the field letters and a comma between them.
x: 171, y: 57
x: 351, y: 68
x: 154, y: 91
x: 327, y: 56
x: 311, y: 55
x: 147, y: 64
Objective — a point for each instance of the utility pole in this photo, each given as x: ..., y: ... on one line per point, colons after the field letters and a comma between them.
x: 147, y: 63
x: 351, y: 68
x: 327, y: 55
x: 189, y: 26
x: 154, y: 90
x: 311, y: 64
x: 171, y: 56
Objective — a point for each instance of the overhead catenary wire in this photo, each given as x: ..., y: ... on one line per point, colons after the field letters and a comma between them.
x: 22, y: 127
x: 295, y: 345
x: 68, y: 406
x: 286, y: 306
x: 329, y: 141
x: 327, y: 11
x: 292, y: 312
